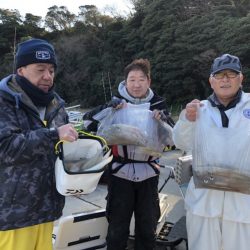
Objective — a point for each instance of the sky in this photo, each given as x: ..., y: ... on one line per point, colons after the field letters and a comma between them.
x: 40, y: 7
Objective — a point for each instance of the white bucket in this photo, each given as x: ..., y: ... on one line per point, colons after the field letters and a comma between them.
x: 80, y: 165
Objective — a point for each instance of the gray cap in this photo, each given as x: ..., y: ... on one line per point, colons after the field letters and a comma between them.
x: 226, y: 61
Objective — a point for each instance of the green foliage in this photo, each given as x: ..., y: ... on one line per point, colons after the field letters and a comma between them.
x: 179, y: 37
x: 59, y: 18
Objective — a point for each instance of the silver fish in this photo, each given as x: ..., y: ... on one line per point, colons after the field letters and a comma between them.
x: 123, y: 134
x: 225, y: 179
x: 84, y: 163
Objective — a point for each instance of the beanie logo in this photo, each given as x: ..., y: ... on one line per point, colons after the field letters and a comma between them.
x: 42, y: 55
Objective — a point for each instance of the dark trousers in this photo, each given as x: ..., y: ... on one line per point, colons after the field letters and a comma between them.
x: 124, y: 198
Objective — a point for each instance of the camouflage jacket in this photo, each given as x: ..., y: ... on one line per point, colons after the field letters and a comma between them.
x: 28, y: 194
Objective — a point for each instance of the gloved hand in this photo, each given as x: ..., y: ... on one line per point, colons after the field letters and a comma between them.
x: 159, y: 115
x: 114, y: 102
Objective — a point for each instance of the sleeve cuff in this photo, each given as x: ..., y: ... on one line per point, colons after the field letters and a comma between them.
x: 53, y: 134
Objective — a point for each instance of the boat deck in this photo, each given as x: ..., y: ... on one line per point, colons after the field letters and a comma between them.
x: 96, y: 200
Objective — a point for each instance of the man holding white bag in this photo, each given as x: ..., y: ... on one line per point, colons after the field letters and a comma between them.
x: 218, y: 204
x: 32, y: 121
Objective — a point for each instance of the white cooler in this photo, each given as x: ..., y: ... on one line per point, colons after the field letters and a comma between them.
x: 83, y: 231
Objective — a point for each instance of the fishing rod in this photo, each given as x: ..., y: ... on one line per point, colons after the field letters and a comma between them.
x: 104, y: 90
x: 14, y: 52
x: 110, y: 89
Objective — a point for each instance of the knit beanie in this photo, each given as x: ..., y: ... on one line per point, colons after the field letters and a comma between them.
x: 35, y: 51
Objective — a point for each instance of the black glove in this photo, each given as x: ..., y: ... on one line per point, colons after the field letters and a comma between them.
x: 167, y: 118
x: 114, y: 102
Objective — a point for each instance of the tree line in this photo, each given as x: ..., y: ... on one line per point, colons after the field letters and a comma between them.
x: 179, y: 37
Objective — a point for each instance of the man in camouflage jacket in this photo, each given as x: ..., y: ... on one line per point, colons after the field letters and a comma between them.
x: 32, y: 121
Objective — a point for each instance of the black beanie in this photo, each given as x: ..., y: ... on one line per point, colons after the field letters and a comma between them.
x: 35, y: 51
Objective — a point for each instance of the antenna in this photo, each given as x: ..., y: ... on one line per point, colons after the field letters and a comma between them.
x: 110, y: 90
x: 14, y: 52
x: 104, y: 90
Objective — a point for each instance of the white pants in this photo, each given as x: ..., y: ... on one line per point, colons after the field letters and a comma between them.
x: 216, y: 234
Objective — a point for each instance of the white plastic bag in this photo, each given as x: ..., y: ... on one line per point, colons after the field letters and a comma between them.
x: 221, y: 157
x: 134, y: 125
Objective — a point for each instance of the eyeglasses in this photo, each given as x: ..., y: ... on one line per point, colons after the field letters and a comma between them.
x: 220, y: 75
